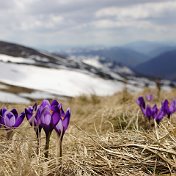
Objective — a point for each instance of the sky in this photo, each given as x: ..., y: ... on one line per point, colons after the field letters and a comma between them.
x: 55, y: 24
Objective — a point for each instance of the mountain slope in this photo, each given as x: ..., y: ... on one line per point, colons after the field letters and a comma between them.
x: 30, y: 74
x: 162, y: 66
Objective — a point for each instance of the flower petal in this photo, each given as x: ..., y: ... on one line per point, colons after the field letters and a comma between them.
x: 66, y: 120
x: 14, y: 111
x: 3, y: 110
x: 61, y: 111
x: 45, y: 116
x: 159, y: 116
x: 29, y: 112
x: 172, y: 107
x: 140, y: 101
x: 165, y: 106
x: 54, y: 105
x: 35, y: 107
x: 55, y: 118
x: 59, y: 128
x: 44, y: 104
x: 148, y: 112
x: 154, y: 110
x: 19, y: 120
x: 9, y: 119
x: 149, y: 97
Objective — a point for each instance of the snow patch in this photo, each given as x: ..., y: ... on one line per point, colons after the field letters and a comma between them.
x: 37, y: 95
x: 57, y: 81
x: 6, y: 58
x: 12, y: 98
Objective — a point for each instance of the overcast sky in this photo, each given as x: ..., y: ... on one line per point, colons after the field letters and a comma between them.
x: 52, y: 24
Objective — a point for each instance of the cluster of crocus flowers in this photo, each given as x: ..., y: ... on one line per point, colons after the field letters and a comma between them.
x: 154, y: 112
x: 47, y: 116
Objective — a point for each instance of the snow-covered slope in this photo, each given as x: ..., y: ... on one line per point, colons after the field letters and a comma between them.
x: 27, y: 74
x: 57, y: 81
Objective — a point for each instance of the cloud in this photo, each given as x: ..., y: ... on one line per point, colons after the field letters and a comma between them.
x: 80, y: 22
x: 41, y: 22
x: 140, y: 11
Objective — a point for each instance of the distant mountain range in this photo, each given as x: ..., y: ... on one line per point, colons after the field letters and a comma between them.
x: 144, y: 58
x: 161, y: 66
x: 120, y: 55
x: 149, y: 48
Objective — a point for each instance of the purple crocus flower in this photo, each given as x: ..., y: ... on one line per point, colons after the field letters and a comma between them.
x: 11, y: 119
x: 31, y: 115
x: 62, y: 125
x: 33, y: 118
x: 140, y: 101
x: 146, y: 109
x: 169, y: 109
x: 153, y: 112
x: 48, y: 115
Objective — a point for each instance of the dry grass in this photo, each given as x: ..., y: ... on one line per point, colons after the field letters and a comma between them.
x: 107, y: 136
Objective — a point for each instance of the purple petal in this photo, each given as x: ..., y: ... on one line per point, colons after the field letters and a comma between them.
x: 44, y: 104
x: 9, y: 119
x: 54, y: 105
x: 159, y: 116
x: 14, y: 111
x: 19, y: 119
x: 40, y: 108
x: 148, y: 112
x: 66, y: 120
x: 29, y: 112
x: 172, y: 107
x: 45, y: 116
x: 154, y: 110
x: 55, y: 118
x: 59, y: 128
x: 61, y: 111
x: 35, y: 107
x: 165, y: 106
x: 140, y: 101
x: 149, y: 97
x: 3, y: 110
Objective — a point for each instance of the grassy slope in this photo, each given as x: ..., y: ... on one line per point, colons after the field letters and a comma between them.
x: 107, y: 136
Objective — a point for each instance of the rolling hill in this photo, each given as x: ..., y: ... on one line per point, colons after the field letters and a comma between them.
x: 162, y: 66
x: 29, y: 74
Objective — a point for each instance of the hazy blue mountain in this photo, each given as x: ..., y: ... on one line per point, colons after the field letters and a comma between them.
x: 162, y: 66
x: 150, y: 48
x: 121, y: 55
x: 161, y: 50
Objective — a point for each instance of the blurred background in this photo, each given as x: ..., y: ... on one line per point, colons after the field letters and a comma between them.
x: 67, y: 48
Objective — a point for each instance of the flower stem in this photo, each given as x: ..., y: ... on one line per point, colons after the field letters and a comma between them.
x: 60, y: 148
x: 38, y: 134
x: 156, y: 130
x: 47, y: 144
x: 9, y: 134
